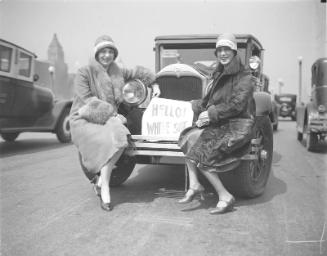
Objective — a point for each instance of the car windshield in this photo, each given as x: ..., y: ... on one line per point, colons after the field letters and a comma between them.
x: 200, y: 56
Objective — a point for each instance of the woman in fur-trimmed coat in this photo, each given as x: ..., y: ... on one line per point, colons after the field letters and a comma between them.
x: 225, y: 117
x: 100, y: 146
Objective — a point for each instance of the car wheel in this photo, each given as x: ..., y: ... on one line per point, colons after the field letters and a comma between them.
x: 275, y: 126
x: 311, y: 141
x: 63, y: 128
x: 120, y: 174
x: 10, y: 136
x: 311, y: 138
x: 249, y: 179
x: 299, y: 136
x: 293, y: 118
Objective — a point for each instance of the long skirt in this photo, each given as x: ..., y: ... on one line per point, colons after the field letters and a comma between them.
x: 97, y: 143
x: 210, y: 145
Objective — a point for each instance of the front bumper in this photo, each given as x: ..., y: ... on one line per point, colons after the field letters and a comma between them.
x: 150, y: 150
x: 318, y: 126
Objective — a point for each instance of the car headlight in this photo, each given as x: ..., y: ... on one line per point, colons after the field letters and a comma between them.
x: 321, y: 109
x: 134, y: 92
x: 254, y: 62
x: 313, y: 115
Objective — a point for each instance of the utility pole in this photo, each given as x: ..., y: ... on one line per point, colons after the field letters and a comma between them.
x: 51, y: 71
x: 300, y: 79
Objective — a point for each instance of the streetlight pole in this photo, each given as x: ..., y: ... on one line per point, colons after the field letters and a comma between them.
x: 51, y: 71
x: 280, y: 85
x: 300, y: 79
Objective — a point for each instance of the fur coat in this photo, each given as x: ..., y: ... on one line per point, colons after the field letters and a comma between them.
x: 97, y: 141
x: 231, y: 111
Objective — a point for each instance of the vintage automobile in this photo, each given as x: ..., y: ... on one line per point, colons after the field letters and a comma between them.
x: 183, y: 65
x: 24, y: 106
x: 287, y: 103
x: 311, y: 118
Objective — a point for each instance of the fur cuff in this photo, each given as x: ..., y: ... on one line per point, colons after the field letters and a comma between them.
x: 97, y: 111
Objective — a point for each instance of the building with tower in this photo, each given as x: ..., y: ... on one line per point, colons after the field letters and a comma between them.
x: 58, y: 69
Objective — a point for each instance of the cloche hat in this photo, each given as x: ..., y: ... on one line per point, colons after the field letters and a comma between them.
x: 228, y: 40
x: 103, y: 42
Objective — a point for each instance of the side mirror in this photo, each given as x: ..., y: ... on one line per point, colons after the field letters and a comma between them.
x: 36, y: 77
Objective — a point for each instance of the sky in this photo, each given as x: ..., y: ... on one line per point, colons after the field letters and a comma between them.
x: 287, y: 29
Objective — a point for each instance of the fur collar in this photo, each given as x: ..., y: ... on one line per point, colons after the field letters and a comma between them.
x: 108, y: 83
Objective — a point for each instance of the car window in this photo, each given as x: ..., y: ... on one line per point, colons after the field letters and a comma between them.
x: 5, y: 58
x: 24, y: 64
x: 192, y: 54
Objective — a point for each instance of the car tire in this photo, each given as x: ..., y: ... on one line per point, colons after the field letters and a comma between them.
x: 63, y: 128
x: 293, y: 118
x: 249, y: 179
x: 275, y: 126
x: 311, y: 141
x: 299, y: 136
x: 10, y: 136
x: 124, y: 169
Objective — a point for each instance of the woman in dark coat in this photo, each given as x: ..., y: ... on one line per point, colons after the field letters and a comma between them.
x: 101, y: 145
x: 224, y: 123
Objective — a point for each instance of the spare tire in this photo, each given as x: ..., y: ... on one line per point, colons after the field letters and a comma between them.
x: 249, y: 179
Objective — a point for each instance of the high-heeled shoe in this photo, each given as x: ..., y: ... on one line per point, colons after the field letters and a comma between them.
x: 106, y: 206
x: 190, y: 195
x: 223, y: 209
x: 97, y: 189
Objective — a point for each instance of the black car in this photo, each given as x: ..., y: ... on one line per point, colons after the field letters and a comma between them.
x: 311, y: 118
x: 24, y: 106
x: 287, y: 103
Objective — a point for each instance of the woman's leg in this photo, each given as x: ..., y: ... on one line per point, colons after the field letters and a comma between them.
x: 214, y: 179
x: 106, y: 174
x: 193, y: 174
x: 195, y: 186
x: 226, y: 199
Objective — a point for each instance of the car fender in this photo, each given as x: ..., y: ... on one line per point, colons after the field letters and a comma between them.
x: 262, y: 103
x: 58, y: 108
x: 310, y: 110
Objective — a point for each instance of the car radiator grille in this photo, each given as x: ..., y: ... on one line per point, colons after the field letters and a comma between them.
x: 180, y: 88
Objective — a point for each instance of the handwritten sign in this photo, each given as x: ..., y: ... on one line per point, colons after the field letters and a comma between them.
x: 166, y: 118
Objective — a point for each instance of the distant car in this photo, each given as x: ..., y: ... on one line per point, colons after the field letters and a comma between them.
x: 312, y: 117
x: 24, y: 106
x: 287, y: 105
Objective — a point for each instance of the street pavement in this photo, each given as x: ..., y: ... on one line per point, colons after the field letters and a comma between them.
x: 48, y: 207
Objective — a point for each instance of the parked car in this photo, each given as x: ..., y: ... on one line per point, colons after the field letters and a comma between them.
x: 287, y: 103
x: 183, y: 65
x: 24, y: 106
x: 311, y: 118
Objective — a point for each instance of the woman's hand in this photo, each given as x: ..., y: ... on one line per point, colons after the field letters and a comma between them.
x: 122, y: 118
x: 203, y: 119
x: 155, y: 90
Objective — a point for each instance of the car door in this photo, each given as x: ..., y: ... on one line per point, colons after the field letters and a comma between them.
x: 6, y: 78
x: 25, y: 102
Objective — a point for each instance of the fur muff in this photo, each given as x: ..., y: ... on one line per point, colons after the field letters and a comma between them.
x: 97, y: 111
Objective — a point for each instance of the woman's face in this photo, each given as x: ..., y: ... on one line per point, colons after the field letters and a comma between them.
x: 106, y: 56
x: 225, y: 55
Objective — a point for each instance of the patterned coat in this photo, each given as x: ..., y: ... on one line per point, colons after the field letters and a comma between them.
x: 97, y: 143
x: 231, y: 110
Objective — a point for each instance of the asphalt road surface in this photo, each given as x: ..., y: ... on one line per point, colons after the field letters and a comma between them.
x: 48, y: 207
